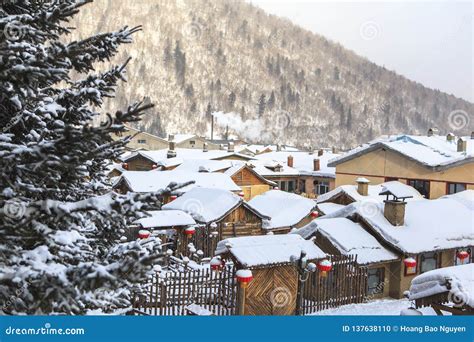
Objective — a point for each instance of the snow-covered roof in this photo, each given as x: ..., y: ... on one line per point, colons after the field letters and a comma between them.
x: 255, y: 148
x: 166, y: 218
x: 285, y: 209
x: 179, y: 138
x: 158, y: 156
x: 398, y: 190
x: 206, y: 205
x: 373, y: 193
x: 431, y: 151
x: 204, y: 165
x: 253, y: 251
x: 304, y: 162
x: 349, y: 237
x: 269, y: 168
x: 151, y: 181
x: 430, y: 225
x: 328, y: 207
x: 457, y: 280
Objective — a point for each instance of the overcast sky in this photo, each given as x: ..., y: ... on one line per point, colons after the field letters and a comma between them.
x: 429, y: 42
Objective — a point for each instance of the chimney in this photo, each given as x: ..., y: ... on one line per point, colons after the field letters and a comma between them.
x: 362, y: 186
x: 171, y: 150
x: 230, y: 147
x: 316, y: 164
x: 289, y: 161
x: 278, y: 147
x: 170, y: 137
x: 450, y: 137
x: 204, y: 147
x: 462, y: 145
x: 433, y: 131
x: 320, y: 152
x: 334, y: 150
x: 472, y: 135
x: 394, y: 212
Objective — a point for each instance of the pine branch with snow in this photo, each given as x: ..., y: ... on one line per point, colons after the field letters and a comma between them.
x: 60, y: 230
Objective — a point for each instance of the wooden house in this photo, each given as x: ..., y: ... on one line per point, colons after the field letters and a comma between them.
x: 341, y: 236
x: 285, y: 210
x: 170, y: 226
x: 141, y: 140
x: 250, y: 182
x: 425, y: 234
x: 273, y: 290
x: 435, y: 165
x: 222, y: 213
x: 314, y: 176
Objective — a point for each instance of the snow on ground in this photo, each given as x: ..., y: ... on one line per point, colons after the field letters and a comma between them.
x: 381, y: 307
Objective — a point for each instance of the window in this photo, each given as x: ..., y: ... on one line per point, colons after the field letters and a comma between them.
x: 421, y: 185
x: 291, y: 186
x: 376, y: 280
x: 429, y: 261
x: 302, y: 186
x: 192, y: 143
x: 390, y: 179
x: 142, y: 141
x: 455, y: 187
x: 320, y: 187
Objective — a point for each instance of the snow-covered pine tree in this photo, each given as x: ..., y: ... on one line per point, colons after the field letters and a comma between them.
x: 60, y: 228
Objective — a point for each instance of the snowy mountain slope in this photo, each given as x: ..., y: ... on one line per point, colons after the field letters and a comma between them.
x: 295, y: 86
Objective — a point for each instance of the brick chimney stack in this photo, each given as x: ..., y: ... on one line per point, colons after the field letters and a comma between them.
x: 290, y: 161
x: 462, y: 145
x: 171, y: 150
x: 320, y: 152
x: 204, y: 147
x: 316, y: 164
x: 363, y: 186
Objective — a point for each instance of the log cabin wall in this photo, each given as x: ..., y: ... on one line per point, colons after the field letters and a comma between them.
x: 240, y: 222
x: 139, y: 163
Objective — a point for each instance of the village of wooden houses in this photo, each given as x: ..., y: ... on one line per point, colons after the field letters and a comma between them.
x: 384, y: 229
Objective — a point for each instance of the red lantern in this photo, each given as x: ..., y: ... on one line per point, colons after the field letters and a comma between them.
x: 314, y: 214
x: 462, y: 255
x: 216, y: 264
x: 410, y: 265
x: 125, y: 166
x: 409, y: 262
x: 276, y: 188
x: 244, y: 277
x: 154, y: 166
x: 241, y: 194
x: 190, y: 231
x: 173, y: 197
x: 325, y: 266
x: 143, y: 234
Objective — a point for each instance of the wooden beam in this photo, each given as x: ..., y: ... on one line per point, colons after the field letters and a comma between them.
x: 455, y: 311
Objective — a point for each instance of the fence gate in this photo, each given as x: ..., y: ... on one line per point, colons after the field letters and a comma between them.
x: 345, y: 284
x: 171, y: 292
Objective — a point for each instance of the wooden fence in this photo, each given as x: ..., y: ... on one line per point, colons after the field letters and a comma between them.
x: 345, y: 284
x: 170, y: 293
